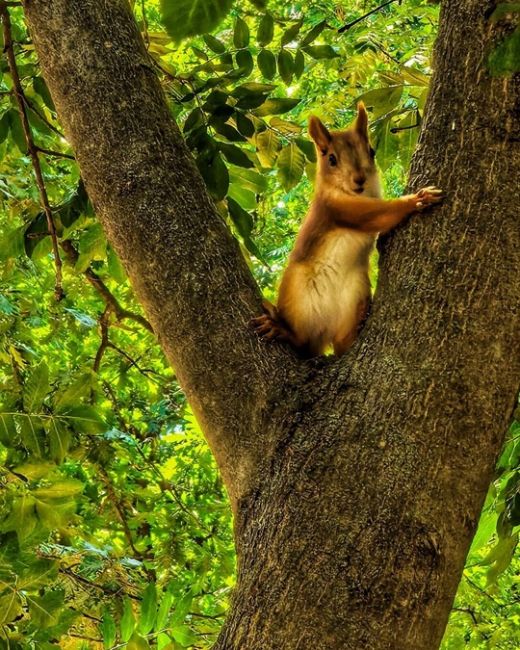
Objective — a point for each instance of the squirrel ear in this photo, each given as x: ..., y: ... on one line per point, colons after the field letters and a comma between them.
x: 361, y: 124
x: 319, y: 133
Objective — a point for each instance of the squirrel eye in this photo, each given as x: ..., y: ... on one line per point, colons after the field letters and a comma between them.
x: 333, y: 160
x: 372, y: 153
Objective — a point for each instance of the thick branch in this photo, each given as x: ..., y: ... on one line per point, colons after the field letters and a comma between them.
x: 186, y: 268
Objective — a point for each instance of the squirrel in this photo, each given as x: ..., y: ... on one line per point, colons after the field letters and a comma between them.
x: 324, y: 295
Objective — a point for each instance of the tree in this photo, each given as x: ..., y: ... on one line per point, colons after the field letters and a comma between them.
x: 354, y: 498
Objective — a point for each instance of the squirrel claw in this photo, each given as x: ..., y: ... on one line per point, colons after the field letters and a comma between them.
x: 428, y: 196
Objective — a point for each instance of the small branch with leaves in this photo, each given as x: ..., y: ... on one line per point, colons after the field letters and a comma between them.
x: 32, y: 149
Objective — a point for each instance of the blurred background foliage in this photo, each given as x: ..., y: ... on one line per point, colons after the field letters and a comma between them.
x: 115, y: 529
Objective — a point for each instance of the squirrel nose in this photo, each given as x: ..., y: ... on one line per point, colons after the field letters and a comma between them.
x: 359, y: 179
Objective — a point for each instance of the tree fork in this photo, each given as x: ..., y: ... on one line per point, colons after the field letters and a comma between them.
x: 356, y: 482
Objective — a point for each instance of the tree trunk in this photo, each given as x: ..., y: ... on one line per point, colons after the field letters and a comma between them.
x: 356, y: 482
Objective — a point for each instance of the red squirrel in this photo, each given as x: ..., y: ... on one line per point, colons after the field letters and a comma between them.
x: 324, y: 294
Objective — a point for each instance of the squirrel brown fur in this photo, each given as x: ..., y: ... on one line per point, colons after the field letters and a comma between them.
x: 324, y: 293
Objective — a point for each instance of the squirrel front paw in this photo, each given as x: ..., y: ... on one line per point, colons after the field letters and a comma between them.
x: 427, y: 196
x: 267, y: 328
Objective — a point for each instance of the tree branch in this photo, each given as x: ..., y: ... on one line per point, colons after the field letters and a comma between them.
x: 32, y: 148
x: 186, y: 268
x: 369, y: 13
x: 120, y: 312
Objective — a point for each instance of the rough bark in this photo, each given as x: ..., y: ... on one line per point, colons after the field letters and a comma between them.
x: 357, y: 482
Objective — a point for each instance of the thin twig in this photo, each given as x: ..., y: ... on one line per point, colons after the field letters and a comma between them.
x: 120, y: 312
x: 118, y: 507
x: 146, y: 36
x: 383, y: 51
x: 369, y: 13
x: 467, y: 610
x: 55, y: 154
x: 103, y: 323
x: 133, y: 362
x: 32, y: 149
x: 32, y: 107
x: 396, y: 129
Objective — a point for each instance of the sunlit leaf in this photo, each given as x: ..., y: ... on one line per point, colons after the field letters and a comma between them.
x: 184, y: 18
x: 291, y: 162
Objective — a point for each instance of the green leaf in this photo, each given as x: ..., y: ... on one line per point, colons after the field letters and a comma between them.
x: 387, y: 144
x: 486, y: 528
x: 320, y: 51
x: 214, y: 44
x: 285, y: 126
x: 268, y: 144
x: 229, y: 132
x: 164, y: 610
x: 285, y: 65
x: 4, y: 126
x: 313, y: 33
x: 308, y: 148
x: 382, y: 100
x: 115, y: 268
x: 17, y: 132
x: 92, y: 246
x: 183, y: 635
x: 299, y: 64
x: 291, y: 162
x: 277, y: 106
x: 266, y: 61
x: 36, y: 573
x: 78, y: 389
x: 44, y: 609
x: 22, y: 518
x: 35, y: 470
x: 240, y: 34
x: 127, y: 620
x: 108, y: 629
x: 244, y: 125
x: 10, y: 607
x: 265, y: 30
x: 60, y: 439
x: 249, y: 179
x: 184, y: 18
x: 40, y: 87
x: 63, y: 489
x: 245, y: 62
x: 245, y: 197
x: 242, y: 219
x: 252, y: 88
x: 215, y: 173
x: 12, y: 243
x: 36, y: 388
x: 235, y: 155
x: 83, y: 418
x: 137, y: 642
x: 31, y: 433
x: 148, y: 609
x: 8, y: 432
x: 290, y: 34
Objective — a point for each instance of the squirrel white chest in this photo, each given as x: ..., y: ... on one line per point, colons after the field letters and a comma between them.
x: 330, y: 287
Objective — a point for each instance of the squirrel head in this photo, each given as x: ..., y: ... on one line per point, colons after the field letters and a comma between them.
x: 345, y: 158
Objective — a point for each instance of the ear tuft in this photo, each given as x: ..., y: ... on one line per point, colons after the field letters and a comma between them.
x: 361, y: 124
x: 319, y: 133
